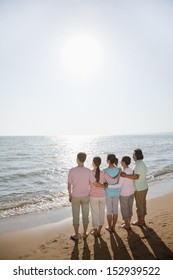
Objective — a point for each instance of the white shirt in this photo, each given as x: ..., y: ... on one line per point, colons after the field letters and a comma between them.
x: 126, y: 185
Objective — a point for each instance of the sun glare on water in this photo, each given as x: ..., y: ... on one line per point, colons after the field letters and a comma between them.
x: 78, y: 142
x: 82, y: 56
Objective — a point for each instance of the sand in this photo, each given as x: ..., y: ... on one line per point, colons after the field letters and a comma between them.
x: 52, y: 241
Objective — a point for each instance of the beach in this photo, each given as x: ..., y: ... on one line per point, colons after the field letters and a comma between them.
x: 35, y: 214
x: 51, y: 241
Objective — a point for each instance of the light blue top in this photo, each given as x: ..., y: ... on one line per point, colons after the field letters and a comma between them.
x: 112, y: 172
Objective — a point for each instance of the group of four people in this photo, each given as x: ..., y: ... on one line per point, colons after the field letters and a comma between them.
x: 106, y: 188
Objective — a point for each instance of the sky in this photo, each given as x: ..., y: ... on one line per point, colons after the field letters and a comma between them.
x: 86, y: 67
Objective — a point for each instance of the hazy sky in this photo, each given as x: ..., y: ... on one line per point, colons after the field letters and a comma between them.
x: 86, y: 66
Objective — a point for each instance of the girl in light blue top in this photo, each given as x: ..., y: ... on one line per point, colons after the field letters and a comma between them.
x: 112, y: 194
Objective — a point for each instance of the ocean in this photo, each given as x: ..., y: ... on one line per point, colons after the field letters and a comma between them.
x: 34, y: 169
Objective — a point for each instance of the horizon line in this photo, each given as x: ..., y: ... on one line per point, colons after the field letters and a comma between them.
x: 101, y: 135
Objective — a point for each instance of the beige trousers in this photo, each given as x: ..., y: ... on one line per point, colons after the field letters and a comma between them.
x: 97, y: 211
x: 77, y: 203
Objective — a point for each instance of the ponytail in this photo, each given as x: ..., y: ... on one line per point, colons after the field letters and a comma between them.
x: 97, y: 162
x: 112, y: 158
x: 97, y: 175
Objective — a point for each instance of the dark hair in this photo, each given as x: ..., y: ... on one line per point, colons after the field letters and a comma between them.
x: 112, y: 158
x: 81, y: 157
x: 97, y: 161
x: 138, y: 154
x: 127, y: 160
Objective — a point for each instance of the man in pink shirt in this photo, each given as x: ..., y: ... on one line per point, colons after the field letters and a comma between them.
x: 79, y: 180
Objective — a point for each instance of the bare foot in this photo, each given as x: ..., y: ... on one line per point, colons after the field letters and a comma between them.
x: 85, y: 235
x: 137, y: 223
x: 95, y: 234
x: 74, y: 237
x: 108, y: 229
x: 125, y: 227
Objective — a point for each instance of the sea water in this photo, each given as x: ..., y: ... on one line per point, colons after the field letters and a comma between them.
x: 34, y: 170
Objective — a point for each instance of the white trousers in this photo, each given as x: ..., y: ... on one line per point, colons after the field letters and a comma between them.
x: 97, y: 211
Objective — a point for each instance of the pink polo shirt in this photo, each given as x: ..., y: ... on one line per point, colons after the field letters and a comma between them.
x: 80, y: 178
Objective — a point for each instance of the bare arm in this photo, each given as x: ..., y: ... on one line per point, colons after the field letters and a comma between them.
x: 69, y: 192
x: 98, y: 185
x: 132, y: 176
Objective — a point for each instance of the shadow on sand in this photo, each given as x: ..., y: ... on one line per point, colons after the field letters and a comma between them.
x: 160, y: 250
x: 148, y: 247
x: 101, y: 251
x: 75, y: 252
x: 118, y: 248
x: 138, y: 249
x: 85, y: 253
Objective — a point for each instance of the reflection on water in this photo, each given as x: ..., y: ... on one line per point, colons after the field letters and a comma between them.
x: 34, y: 169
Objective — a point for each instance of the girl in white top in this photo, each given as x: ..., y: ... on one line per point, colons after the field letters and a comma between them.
x: 127, y: 190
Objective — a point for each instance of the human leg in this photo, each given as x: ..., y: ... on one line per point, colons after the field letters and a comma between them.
x: 94, y: 203
x: 85, y: 214
x: 125, y: 211
x: 140, y: 198
x: 101, y: 214
x: 75, y: 213
x: 115, y: 200
x: 130, y: 206
x: 109, y: 207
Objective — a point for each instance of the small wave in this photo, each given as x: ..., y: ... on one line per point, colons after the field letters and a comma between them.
x: 42, y: 172
x: 162, y: 171
x: 46, y: 202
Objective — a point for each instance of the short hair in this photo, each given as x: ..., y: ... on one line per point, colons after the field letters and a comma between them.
x: 127, y: 160
x: 81, y: 157
x: 112, y: 158
x: 138, y: 154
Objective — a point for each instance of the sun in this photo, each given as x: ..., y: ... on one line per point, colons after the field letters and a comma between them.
x: 82, y: 56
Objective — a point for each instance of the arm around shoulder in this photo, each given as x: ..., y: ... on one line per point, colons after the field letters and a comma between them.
x: 132, y: 176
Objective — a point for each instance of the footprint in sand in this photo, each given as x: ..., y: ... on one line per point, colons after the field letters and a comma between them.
x: 24, y: 257
x: 164, y: 225
x: 43, y: 248
x: 66, y: 247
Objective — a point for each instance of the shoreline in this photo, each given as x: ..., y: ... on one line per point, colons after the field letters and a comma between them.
x: 52, y: 240
x: 34, y: 220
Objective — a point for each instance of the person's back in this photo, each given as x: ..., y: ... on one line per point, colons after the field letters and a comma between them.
x: 141, y: 169
x: 126, y: 184
x: 141, y: 186
x: 95, y: 191
x: 126, y: 193
x: 112, y: 194
x: 80, y: 178
x: 112, y: 172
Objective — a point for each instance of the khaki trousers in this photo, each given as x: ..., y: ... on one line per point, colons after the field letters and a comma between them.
x: 141, y: 208
x: 77, y: 203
